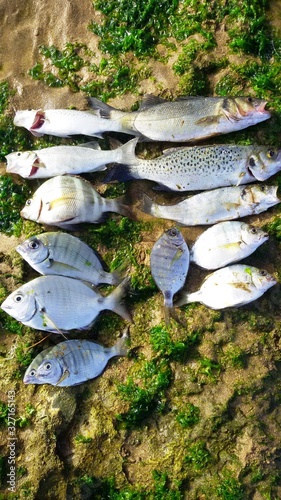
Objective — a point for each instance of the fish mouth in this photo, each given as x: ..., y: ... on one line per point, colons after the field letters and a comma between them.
x: 261, y: 108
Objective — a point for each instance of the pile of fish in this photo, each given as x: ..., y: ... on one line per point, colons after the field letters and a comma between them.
x: 65, y: 297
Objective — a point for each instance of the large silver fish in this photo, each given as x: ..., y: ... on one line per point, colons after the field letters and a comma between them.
x: 66, y: 122
x: 217, y: 205
x: 187, y: 118
x: 203, y: 167
x: 169, y: 263
x: 67, y: 200
x: 231, y: 286
x: 66, y: 255
x: 226, y: 242
x: 59, y: 304
x: 59, y: 160
x: 72, y: 362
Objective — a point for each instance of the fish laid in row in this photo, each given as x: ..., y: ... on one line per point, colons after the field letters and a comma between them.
x: 199, y: 168
x: 59, y: 304
x: 185, y: 119
x: 169, y: 263
x: 72, y: 362
x: 225, y: 243
x: 216, y: 205
x: 60, y: 160
x: 66, y: 200
x: 65, y: 255
x: 231, y: 286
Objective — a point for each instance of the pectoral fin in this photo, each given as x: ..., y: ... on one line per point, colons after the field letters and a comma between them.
x: 208, y: 120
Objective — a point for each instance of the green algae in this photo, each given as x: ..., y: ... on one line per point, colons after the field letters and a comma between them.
x: 12, y: 199
x: 189, y: 417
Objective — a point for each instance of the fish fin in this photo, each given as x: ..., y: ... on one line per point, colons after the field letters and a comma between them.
x: 47, y: 318
x: 150, y: 100
x: 128, y: 152
x: 171, y: 313
x: 101, y: 108
x: 36, y: 134
x: 58, y: 202
x: 187, y: 298
x: 63, y: 377
x: 122, y: 208
x: 208, y: 120
x: 116, y: 301
x: 147, y: 205
x: 121, y: 173
x: 91, y: 145
x: 120, y: 348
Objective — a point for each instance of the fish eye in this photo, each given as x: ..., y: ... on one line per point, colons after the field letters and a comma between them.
x: 48, y: 366
x: 262, y: 187
x: 250, y: 99
x: 18, y: 298
x: 33, y: 245
x: 263, y: 272
x: 173, y: 231
x: 254, y: 230
x: 28, y: 202
x: 271, y: 154
x: 18, y: 154
x: 32, y: 373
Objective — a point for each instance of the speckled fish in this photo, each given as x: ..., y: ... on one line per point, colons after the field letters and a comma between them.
x: 231, y: 286
x: 187, y: 118
x: 226, y: 242
x: 203, y: 167
x: 59, y: 304
x: 59, y: 160
x: 66, y: 255
x: 68, y: 200
x: 217, y: 205
x: 66, y: 122
x: 169, y: 263
x: 72, y: 362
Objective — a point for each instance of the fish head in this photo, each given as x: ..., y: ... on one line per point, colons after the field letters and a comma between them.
x: 33, y: 250
x: 174, y: 236
x: 48, y: 370
x: 260, y: 194
x: 32, y: 208
x: 20, y: 305
x: 250, y: 109
x: 264, y: 163
x: 31, y: 119
x: 262, y: 279
x: 21, y: 162
x: 252, y: 235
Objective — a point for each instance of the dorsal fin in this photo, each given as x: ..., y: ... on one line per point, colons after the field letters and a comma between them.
x: 150, y: 100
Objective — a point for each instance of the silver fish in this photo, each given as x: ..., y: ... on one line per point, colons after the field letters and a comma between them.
x: 67, y: 200
x: 203, y: 167
x: 59, y: 304
x: 187, y: 118
x: 60, y: 160
x: 66, y: 255
x: 66, y: 122
x: 72, y: 362
x: 169, y: 263
x: 226, y: 242
x: 231, y: 286
x: 217, y: 205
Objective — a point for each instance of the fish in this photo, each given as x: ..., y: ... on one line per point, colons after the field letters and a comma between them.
x: 65, y: 255
x: 72, y: 362
x: 197, y: 168
x: 169, y: 264
x: 66, y: 200
x: 231, y: 286
x: 66, y: 122
x: 60, y: 160
x: 226, y: 242
x: 217, y: 205
x: 58, y: 304
x: 187, y: 118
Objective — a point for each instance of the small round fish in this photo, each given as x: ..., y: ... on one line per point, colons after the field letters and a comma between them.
x: 59, y: 304
x: 231, y: 286
x: 216, y: 205
x: 66, y: 255
x: 60, y: 160
x: 169, y: 263
x: 72, y: 362
x: 225, y: 243
x: 67, y: 200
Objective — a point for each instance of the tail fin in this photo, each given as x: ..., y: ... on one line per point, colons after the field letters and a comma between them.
x: 120, y: 347
x: 128, y: 156
x: 147, y: 205
x: 171, y: 313
x: 187, y: 298
x: 115, y: 301
x: 119, y: 206
x: 101, y: 108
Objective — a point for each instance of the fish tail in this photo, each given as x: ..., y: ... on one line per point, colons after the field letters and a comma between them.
x: 119, y: 205
x: 170, y: 312
x: 120, y: 348
x: 100, y: 108
x: 127, y: 150
x: 127, y: 158
x: 187, y: 298
x: 147, y: 205
x: 116, y: 302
